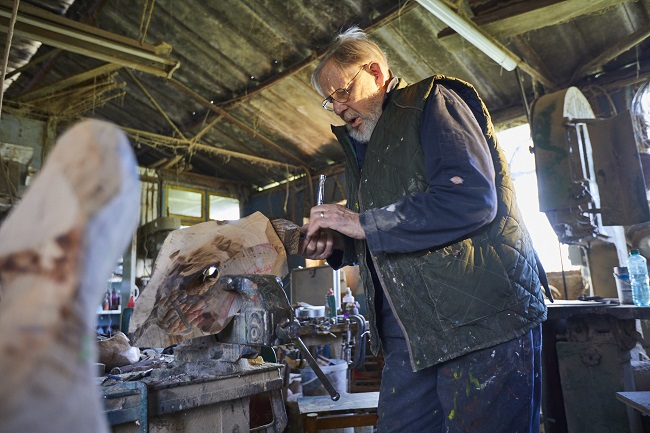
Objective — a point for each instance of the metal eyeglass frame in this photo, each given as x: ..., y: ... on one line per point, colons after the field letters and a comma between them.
x: 342, y: 91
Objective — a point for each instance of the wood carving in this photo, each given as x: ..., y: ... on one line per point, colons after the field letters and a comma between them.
x: 289, y: 234
x: 57, y: 249
x: 182, y: 300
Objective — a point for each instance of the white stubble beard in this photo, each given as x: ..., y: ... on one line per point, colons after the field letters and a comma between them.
x: 370, y: 120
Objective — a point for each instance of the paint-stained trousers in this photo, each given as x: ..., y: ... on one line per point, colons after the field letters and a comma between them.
x: 494, y: 390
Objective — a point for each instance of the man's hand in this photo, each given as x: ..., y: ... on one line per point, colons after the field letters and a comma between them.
x: 320, y: 246
x: 323, y: 233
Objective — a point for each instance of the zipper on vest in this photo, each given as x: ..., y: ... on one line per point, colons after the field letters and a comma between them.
x: 386, y: 295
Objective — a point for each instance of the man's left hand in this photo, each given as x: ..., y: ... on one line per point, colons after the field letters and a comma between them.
x: 337, y: 218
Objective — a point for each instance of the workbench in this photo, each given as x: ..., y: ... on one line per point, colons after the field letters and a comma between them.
x: 352, y: 410
x: 639, y: 400
x: 587, y: 348
x: 184, y: 403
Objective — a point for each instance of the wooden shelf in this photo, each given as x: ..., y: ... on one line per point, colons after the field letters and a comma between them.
x: 101, y: 313
x: 639, y: 400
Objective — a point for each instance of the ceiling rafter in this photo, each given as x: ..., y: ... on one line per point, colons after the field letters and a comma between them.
x: 59, y: 32
x: 596, y: 65
x: 68, y: 82
x: 522, y: 17
x: 149, y: 138
x: 154, y: 103
x: 230, y: 118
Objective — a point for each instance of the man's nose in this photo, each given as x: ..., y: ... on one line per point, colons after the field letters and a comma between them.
x: 339, y: 107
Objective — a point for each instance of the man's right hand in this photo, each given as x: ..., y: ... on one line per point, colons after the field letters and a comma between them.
x: 320, y: 245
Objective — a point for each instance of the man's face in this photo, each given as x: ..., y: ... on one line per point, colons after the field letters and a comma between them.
x: 362, y: 110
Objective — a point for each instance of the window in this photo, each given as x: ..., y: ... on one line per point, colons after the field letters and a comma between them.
x: 515, y: 143
x: 194, y: 205
x: 223, y: 208
x: 186, y: 203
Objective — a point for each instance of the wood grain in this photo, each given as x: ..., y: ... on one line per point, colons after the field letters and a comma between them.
x: 183, y: 300
x: 57, y: 249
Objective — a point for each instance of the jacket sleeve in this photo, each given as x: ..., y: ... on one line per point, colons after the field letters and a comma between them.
x: 347, y: 257
x: 461, y: 195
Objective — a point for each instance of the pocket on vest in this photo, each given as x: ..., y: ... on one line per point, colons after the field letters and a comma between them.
x: 466, y: 285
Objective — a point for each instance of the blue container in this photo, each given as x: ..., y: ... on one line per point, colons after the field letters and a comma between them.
x: 637, y: 266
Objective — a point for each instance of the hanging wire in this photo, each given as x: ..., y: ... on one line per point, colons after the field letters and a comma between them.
x: 523, y: 94
x: 5, y: 62
x: 146, y: 18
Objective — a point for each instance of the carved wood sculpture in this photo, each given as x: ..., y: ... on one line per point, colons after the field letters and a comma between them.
x: 182, y: 300
x: 57, y: 249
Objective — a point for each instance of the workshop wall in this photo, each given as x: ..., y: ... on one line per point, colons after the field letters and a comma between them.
x: 293, y: 200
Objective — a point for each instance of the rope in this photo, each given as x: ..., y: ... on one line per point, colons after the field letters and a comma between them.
x: 155, y: 104
x: 5, y: 62
x: 144, y: 26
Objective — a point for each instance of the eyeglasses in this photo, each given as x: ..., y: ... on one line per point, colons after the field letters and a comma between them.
x: 341, y: 95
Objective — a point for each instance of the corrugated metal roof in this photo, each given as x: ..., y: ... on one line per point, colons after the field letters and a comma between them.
x: 253, y: 60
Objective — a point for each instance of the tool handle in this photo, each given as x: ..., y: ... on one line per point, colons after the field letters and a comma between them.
x: 321, y: 189
x: 319, y: 373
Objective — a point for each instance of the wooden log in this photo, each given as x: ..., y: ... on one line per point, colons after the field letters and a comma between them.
x: 289, y: 234
x: 57, y: 249
x: 182, y: 300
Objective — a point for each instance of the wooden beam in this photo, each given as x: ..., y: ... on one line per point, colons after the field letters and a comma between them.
x: 34, y: 61
x: 171, y: 141
x: 596, y: 65
x: 531, y: 58
x: 522, y: 17
x: 68, y: 82
x: 215, y: 183
x: 37, y: 24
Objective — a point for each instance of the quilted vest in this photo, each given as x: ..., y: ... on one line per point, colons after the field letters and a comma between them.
x: 454, y: 299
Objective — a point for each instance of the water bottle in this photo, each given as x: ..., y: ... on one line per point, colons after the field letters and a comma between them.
x: 638, y: 268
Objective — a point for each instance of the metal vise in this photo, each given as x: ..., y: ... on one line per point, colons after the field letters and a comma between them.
x: 265, y: 319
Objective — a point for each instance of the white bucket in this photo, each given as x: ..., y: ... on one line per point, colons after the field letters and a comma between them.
x: 337, y: 375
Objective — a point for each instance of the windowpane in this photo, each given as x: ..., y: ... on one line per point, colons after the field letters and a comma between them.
x: 185, y: 203
x: 223, y: 208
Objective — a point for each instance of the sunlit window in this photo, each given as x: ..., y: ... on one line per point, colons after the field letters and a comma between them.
x: 223, y: 208
x: 184, y: 202
x: 515, y: 143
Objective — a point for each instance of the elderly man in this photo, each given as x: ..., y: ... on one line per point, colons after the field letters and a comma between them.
x: 451, y: 278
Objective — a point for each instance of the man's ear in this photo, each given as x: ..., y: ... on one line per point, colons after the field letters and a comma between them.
x: 380, y: 75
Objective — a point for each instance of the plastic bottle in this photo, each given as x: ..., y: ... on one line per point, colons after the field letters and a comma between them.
x: 637, y: 266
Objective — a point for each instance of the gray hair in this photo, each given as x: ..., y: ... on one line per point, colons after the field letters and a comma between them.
x: 350, y: 48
